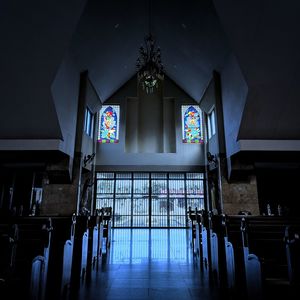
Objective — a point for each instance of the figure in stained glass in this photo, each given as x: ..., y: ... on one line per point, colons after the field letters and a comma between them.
x: 191, y: 124
x: 109, y: 124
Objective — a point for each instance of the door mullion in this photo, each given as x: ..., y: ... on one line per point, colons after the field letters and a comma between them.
x: 185, y: 200
x: 150, y: 199
x: 132, y: 191
x: 114, y: 200
x: 168, y: 202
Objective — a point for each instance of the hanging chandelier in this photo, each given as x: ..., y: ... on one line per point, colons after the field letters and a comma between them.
x: 150, y: 70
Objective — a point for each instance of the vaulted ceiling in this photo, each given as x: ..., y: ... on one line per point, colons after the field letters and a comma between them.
x: 257, y: 39
x: 264, y: 37
x: 197, y: 37
x: 189, y: 34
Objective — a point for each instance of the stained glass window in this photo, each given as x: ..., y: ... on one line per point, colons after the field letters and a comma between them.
x: 109, y: 124
x: 191, y: 124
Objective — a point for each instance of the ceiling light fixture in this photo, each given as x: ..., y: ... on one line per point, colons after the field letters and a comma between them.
x: 150, y: 70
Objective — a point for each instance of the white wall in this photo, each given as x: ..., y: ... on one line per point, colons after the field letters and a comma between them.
x: 115, y: 156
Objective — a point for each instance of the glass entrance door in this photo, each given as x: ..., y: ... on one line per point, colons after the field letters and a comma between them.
x: 159, y: 200
x: 150, y: 199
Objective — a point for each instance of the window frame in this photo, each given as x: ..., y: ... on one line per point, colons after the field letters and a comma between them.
x: 88, y: 122
x: 199, y: 110
x: 117, y: 109
x: 211, y: 123
x: 191, y: 192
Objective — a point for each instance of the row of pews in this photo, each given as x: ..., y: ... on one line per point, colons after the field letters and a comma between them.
x: 248, y: 257
x: 49, y: 257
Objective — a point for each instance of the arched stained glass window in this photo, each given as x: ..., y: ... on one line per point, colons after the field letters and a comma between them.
x: 191, y: 124
x: 109, y: 124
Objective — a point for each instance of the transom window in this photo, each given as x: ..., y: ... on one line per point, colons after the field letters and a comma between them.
x: 150, y: 199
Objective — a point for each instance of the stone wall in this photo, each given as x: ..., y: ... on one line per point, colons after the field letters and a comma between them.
x: 61, y: 199
x: 240, y: 196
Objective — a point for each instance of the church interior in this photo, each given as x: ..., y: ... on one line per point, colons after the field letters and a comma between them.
x: 149, y: 149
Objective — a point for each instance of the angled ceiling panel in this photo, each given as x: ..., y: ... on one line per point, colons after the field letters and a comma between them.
x: 188, y: 32
x: 34, y: 37
x: 264, y: 35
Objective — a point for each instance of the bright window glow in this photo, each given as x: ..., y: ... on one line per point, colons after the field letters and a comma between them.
x: 211, y: 124
x: 150, y: 199
x: 89, y: 122
x: 191, y: 124
x: 109, y: 124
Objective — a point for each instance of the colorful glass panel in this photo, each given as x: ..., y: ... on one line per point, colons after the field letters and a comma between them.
x: 191, y: 124
x: 109, y: 124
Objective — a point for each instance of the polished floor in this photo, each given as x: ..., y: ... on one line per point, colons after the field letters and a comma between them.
x: 148, y: 264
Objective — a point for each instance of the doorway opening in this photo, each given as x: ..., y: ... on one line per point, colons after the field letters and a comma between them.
x: 150, y: 199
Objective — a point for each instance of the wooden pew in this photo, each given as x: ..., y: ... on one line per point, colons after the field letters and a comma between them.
x: 80, y: 250
x: 266, y: 240
x: 31, y: 249
x: 8, y: 237
x: 213, y: 250
x: 60, y: 257
x: 106, y: 216
x: 202, y: 240
x: 231, y: 267
x: 200, y: 237
x: 292, y: 243
x: 252, y: 265
x: 41, y: 271
x: 76, y: 241
x: 34, y: 236
x: 192, y: 228
x: 268, y: 243
x: 94, y: 237
x: 197, y: 233
x: 222, y: 254
x: 93, y: 225
x: 257, y: 248
x: 227, y: 256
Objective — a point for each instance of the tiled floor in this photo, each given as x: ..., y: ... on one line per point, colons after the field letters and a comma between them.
x: 148, y: 264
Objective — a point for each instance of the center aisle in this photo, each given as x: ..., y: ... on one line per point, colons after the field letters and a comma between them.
x: 149, y: 264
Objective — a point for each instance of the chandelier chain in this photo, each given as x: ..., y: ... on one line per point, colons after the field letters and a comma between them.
x: 149, y: 65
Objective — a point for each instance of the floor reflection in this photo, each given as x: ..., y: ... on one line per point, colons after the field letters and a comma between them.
x: 148, y: 264
x: 137, y: 246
